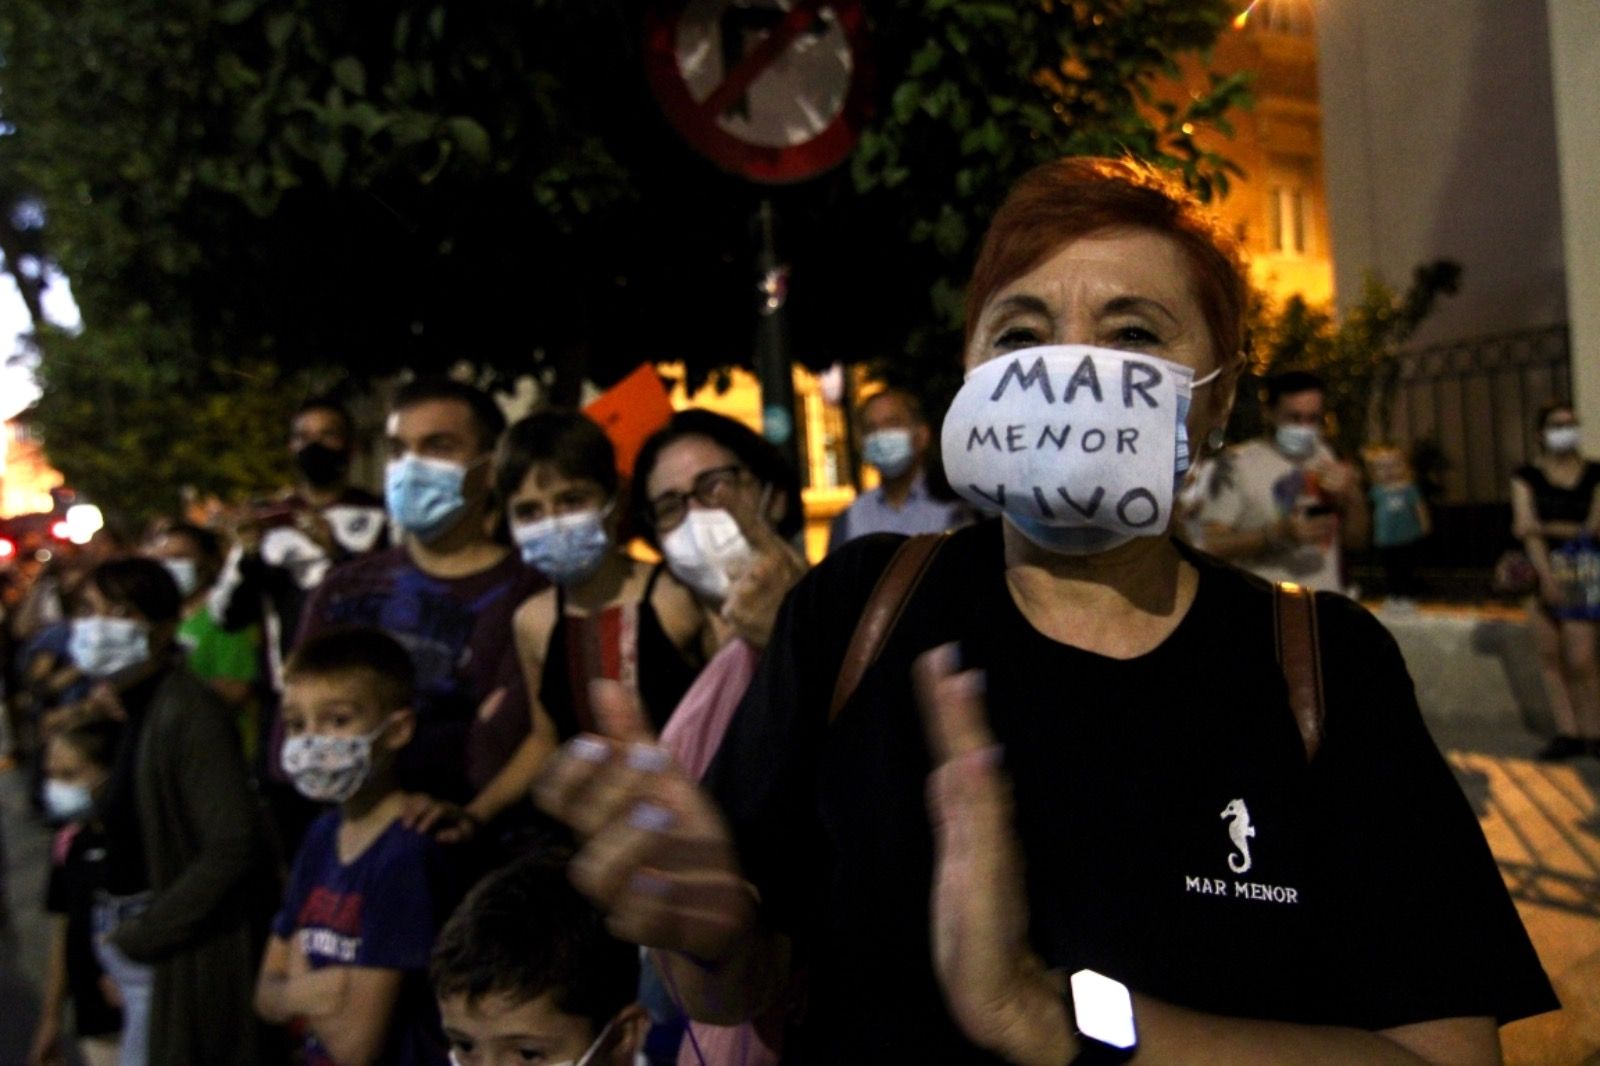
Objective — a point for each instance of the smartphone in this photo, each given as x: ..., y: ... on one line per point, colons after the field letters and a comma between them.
x: 1317, y: 510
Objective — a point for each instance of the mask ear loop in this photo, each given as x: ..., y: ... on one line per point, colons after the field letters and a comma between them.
x: 1208, y: 379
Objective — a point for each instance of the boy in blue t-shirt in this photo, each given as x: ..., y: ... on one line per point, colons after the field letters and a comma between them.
x: 525, y: 971
x: 348, y: 958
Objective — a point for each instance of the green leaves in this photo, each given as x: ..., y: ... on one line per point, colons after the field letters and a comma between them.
x: 350, y: 75
x: 470, y: 138
x: 281, y: 179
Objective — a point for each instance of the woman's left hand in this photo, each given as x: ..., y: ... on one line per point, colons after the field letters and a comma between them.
x: 998, y: 990
x: 751, y: 608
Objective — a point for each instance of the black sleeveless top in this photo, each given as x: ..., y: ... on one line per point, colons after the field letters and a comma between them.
x: 1552, y: 503
x: 622, y: 643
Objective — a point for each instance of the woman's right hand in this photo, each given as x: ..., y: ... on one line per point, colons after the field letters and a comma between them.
x: 656, y: 856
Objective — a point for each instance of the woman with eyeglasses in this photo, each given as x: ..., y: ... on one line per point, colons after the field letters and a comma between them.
x: 606, y: 614
x: 723, y: 507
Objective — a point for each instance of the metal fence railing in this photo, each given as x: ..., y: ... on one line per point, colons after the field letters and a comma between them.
x: 1472, y: 404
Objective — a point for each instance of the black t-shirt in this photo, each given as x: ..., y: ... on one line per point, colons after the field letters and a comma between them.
x: 1366, y: 895
x: 1552, y: 503
x: 77, y: 874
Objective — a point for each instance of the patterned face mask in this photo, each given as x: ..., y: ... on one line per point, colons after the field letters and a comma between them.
x: 329, y: 769
x: 567, y: 549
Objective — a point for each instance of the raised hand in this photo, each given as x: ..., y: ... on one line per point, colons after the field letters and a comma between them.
x: 997, y: 988
x: 655, y: 856
x: 751, y: 607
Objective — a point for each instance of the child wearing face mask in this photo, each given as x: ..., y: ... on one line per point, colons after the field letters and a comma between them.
x: 348, y: 955
x: 525, y: 971
x: 606, y: 614
x: 78, y: 762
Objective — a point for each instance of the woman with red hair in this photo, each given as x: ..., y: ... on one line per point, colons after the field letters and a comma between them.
x: 1097, y: 794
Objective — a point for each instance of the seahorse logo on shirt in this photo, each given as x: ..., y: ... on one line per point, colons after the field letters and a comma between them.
x: 1239, y: 831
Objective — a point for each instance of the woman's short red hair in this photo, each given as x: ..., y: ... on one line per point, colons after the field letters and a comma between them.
x: 1056, y: 203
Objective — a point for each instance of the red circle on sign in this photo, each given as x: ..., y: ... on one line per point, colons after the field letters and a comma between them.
x: 765, y: 163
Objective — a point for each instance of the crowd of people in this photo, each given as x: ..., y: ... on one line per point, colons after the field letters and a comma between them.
x: 459, y: 774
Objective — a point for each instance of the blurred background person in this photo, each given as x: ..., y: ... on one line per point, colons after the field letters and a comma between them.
x: 1554, y: 513
x: 79, y: 761
x: 227, y: 660
x: 1400, y: 521
x: 189, y: 876
x: 894, y: 440
x: 284, y: 547
x: 1284, y: 506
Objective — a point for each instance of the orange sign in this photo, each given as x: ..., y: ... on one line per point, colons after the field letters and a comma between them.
x: 630, y: 411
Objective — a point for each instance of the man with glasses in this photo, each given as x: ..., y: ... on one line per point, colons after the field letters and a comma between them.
x: 1283, y: 505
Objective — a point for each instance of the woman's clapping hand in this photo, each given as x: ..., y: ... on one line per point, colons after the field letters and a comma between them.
x: 655, y: 854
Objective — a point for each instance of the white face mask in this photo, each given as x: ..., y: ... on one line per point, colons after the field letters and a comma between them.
x: 101, y: 645
x: 1562, y: 439
x: 707, y: 552
x: 186, y: 573
x: 1081, y: 448
x: 67, y: 803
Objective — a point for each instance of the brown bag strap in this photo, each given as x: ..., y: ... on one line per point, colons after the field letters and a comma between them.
x: 1294, y: 615
x: 882, y: 612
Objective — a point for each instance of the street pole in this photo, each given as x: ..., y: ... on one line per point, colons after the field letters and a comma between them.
x: 774, y: 368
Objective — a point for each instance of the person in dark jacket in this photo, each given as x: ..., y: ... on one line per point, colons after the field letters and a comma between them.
x: 190, y: 877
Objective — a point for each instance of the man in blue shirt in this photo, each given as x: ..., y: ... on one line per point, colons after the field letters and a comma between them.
x: 894, y: 438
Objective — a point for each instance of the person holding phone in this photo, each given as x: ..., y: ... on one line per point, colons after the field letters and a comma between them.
x: 1283, y: 506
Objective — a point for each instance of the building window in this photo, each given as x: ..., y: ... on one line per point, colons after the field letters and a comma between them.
x: 1287, y: 202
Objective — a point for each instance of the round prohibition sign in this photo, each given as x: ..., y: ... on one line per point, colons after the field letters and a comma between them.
x: 776, y: 91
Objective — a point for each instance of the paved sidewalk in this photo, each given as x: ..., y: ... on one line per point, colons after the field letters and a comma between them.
x: 1543, y: 824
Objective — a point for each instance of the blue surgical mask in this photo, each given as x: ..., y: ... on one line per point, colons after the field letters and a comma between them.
x: 567, y: 549
x: 425, y: 497
x: 890, y: 450
x: 1297, y: 442
x: 101, y: 645
x: 67, y: 803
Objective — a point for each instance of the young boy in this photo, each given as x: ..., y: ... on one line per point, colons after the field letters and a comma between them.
x: 349, y: 949
x: 525, y: 972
